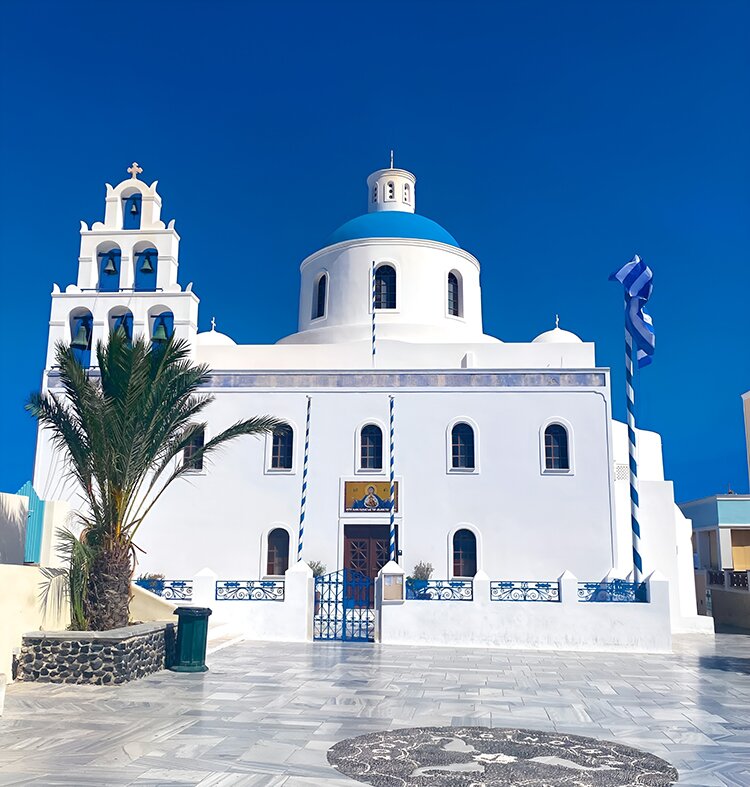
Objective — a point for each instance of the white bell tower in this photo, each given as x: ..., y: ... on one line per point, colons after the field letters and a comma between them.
x: 127, y: 276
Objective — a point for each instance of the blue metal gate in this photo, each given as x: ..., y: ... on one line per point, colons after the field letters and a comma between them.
x: 344, y: 607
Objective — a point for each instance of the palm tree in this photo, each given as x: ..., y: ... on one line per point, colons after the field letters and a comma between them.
x: 125, y: 430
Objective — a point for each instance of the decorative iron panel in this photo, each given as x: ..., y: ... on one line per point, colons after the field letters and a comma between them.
x: 716, y: 578
x: 515, y: 590
x: 440, y: 589
x: 170, y: 589
x: 343, y: 607
x: 250, y: 590
x: 738, y: 580
x: 617, y: 590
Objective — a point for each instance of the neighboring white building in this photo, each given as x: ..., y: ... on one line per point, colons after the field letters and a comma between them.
x: 507, y: 458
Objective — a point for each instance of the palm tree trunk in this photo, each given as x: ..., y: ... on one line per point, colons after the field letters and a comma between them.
x: 108, y: 593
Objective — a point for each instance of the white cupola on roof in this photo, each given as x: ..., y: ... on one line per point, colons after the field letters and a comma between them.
x: 391, y: 189
x: 557, y: 336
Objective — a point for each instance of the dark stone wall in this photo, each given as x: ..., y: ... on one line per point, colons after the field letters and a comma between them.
x: 97, y: 657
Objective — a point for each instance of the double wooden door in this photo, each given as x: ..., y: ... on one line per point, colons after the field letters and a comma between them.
x: 367, y: 548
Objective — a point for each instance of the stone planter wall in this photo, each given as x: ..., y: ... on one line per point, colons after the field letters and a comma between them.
x: 97, y: 657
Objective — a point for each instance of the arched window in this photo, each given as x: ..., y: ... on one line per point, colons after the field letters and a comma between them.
x: 282, y: 447
x: 162, y: 328
x: 391, y: 190
x: 407, y: 193
x: 375, y: 192
x: 454, y: 295
x: 319, y: 298
x: 189, y: 457
x: 146, y: 264
x: 464, y: 554
x: 81, y: 329
x: 109, y: 270
x: 462, y: 447
x: 131, y: 212
x: 122, y: 322
x: 278, y: 552
x: 556, y: 455
x: 385, y: 287
x: 371, y: 448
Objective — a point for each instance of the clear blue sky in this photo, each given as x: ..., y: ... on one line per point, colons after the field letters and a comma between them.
x: 553, y: 139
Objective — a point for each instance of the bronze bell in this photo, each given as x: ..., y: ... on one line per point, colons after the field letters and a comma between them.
x: 160, y: 334
x: 147, y: 267
x: 110, y: 267
x: 81, y: 340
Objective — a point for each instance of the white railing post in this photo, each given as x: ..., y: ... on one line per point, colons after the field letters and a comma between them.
x: 299, y: 599
x: 204, y: 588
x: 568, y: 583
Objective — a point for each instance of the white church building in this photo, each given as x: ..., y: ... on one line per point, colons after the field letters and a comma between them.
x: 511, y: 475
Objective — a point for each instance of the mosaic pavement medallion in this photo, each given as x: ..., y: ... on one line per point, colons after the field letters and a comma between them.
x: 489, y: 757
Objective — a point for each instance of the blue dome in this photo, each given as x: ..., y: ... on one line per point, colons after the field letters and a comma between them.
x: 391, y: 224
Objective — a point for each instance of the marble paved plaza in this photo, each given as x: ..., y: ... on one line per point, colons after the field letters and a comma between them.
x: 266, y: 714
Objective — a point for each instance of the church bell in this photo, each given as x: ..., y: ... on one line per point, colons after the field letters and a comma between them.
x: 133, y: 207
x: 110, y: 266
x: 81, y: 340
x: 160, y: 334
x: 147, y: 267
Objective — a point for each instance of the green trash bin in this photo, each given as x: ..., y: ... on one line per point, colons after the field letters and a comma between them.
x: 192, y: 634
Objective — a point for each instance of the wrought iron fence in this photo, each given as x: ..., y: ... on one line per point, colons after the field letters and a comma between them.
x: 440, y: 589
x: 170, y: 589
x: 250, y: 590
x: 516, y: 590
x: 738, y: 580
x: 618, y: 590
x: 716, y: 578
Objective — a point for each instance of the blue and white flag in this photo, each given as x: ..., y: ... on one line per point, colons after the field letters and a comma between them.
x: 637, y: 279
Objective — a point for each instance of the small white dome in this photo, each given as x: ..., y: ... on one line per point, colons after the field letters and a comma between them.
x: 557, y: 336
x: 213, y: 338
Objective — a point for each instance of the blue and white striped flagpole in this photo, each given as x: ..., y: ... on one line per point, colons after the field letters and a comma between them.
x: 303, y: 502
x: 633, y: 453
x: 393, y: 490
x: 373, y: 313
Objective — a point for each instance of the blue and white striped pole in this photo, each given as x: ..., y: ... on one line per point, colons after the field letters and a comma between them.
x: 633, y: 453
x: 393, y: 489
x: 373, y: 312
x: 303, y: 502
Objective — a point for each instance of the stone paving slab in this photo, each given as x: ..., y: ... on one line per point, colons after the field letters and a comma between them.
x: 266, y: 714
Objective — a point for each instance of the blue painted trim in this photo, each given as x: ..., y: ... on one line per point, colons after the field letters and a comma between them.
x: 130, y: 220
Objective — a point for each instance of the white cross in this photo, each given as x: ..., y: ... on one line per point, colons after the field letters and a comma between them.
x: 134, y: 169
x: 391, y: 159
x: 557, y: 321
x: 213, y: 323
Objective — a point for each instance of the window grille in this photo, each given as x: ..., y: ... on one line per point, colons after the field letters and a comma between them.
x: 454, y: 306
x: 462, y: 447
x: 385, y: 287
x: 189, y: 457
x: 371, y: 448
x: 391, y: 190
x: 556, y: 448
x: 278, y: 552
x: 464, y: 554
x: 282, y: 445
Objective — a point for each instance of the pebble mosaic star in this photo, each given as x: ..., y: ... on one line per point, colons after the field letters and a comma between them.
x: 409, y: 435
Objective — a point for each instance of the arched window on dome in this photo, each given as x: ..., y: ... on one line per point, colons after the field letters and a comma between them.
x: 81, y: 331
x: 390, y: 191
x: 375, y: 192
x: 385, y: 287
x: 278, y: 552
x: 319, y: 297
x: 131, y: 212
x: 464, y: 554
x: 146, y: 265
x: 454, y: 295
x: 371, y: 448
x: 109, y: 269
x: 462, y: 447
x: 556, y: 453
x: 407, y: 193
